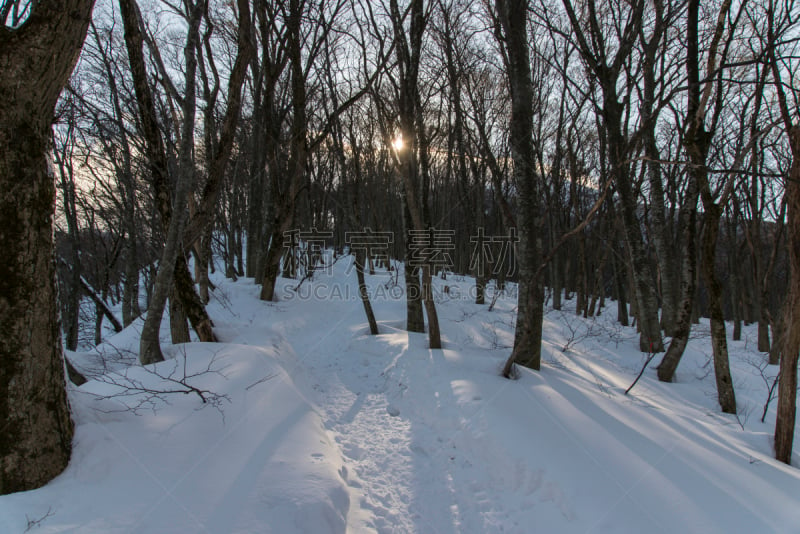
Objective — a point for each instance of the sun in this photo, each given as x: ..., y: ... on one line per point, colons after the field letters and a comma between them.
x: 398, y: 144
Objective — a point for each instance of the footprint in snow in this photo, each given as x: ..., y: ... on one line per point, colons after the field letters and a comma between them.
x: 354, y: 452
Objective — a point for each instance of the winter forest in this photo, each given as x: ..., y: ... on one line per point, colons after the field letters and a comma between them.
x: 434, y: 266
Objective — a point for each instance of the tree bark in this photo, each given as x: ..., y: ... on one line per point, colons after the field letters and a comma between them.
x: 35, y: 63
x: 190, y: 302
x: 272, y: 262
x: 650, y: 339
x: 719, y: 341
x: 660, y: 229
x: 683, y: 320
x: 415, y: 320
x: 363, y: 293
x: 697, y: 142
x: 790, y: 339
x: 178, y: 328
x: 777, y: 329
x: 527, y: 351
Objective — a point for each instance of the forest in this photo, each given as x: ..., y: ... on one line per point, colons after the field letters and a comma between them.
x: 636, y: 158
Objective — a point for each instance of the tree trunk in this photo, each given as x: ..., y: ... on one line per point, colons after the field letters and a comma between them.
x: 434, y: 333
x: 619, y: 283
x: 719, y: 341
x: 70, y: 294
x: 190, y: 302
x: 35, y: 63
x: 697, y: 142
x: 527, y: 350
x: 354, y: 217
x: 173, y: 213
x: 599, y: 289
x: 284, y: 201
x: 763, y: 332
x: 272, y: 263
x: 130, y: 292
x: 202, y: 261
x: 787, y: 384
x: 607, y: 71
x: 479, y: 271
x: 645, y: 296
x: 737, y: 316
x: 683, y: 321
x: 415, y: 321
x: 776, y: 349
x: 580, y: 274
x: 178, y: 328
x: 98, y: 325
x: 218, y: 150
x: 257, y: 185
x: 36, y: 440
x: 660, y: 229
x: 289, y: 260
x: 363, y: 293
x: 411, y: 164
x: 255, y: 219
x: 130, y: 295
x: 557, y: 281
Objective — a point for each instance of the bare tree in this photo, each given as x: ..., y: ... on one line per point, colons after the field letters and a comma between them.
x: 173, y: 219
x: 780, y: 22
x: 70, y: 291
x: 412, y: 157
x: 36, y: 59
x: 606, y: 57
x: 654, y: 53
x: 218, y: 147
x: 512, y: 34
x: 697, y: 140
x: 120, y: 153
x: 308, y: 28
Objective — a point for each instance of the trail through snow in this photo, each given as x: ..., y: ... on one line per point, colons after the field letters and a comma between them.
x: 436, y: 441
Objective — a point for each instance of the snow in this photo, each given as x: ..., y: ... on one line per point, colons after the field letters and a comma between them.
x: 312, y: 425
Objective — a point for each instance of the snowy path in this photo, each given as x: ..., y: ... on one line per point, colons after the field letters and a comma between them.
x: 419, y: 460
x: 397, y: 469
x: 435, y: 442
x: 353, y: 389
x: 404, y: 469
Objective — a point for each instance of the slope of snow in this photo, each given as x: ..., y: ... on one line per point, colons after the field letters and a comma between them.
x: 313, y: 425
x: 254, y: 459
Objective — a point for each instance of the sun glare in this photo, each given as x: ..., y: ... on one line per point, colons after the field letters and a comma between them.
x: 398, y: 143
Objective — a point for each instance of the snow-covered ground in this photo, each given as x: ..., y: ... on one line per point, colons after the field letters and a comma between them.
x: 312, y: 425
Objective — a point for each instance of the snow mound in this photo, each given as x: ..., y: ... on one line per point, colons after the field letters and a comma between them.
x: 253, y: 458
